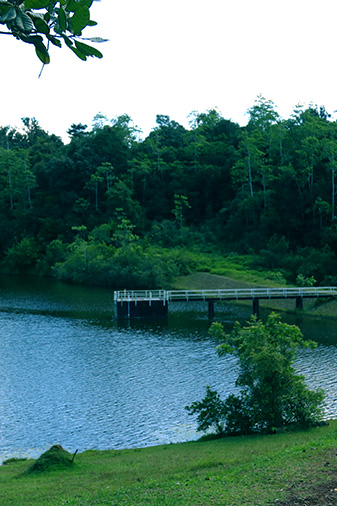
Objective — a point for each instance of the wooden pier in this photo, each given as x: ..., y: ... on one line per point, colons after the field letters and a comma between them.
x: 154, y: 303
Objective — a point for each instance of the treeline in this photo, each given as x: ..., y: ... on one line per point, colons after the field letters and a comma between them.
x: 109, y: 208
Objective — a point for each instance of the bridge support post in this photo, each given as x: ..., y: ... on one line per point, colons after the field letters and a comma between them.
x: 256, y: 307
x: 299, y: 302
x: 211, y: 309
x: 141, y: 309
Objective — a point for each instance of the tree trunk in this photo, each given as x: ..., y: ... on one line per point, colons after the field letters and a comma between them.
x: 333, y: 193
x: 250, y: 174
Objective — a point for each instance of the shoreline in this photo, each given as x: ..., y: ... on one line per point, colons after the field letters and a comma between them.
x: 245, y: 470
x: 206, y: 280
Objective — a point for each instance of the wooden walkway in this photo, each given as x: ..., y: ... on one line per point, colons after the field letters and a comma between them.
x: 158, y: 300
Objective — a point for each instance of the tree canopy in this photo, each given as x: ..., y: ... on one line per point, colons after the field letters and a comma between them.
x: 266, y: 190
x: 271, y: 394
x: 45, y: 22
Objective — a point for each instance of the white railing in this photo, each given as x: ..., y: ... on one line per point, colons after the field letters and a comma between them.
x: 252, y: 293
x: 134, y: 295
x: 225, y: 294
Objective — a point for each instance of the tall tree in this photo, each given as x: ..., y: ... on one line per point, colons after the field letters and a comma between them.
x: 17, y: 180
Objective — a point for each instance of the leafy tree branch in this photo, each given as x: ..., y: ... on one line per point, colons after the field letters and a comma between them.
x: 45, y: 22
x: 271, y: 393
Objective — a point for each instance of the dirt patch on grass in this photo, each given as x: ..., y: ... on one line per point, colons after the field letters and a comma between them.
x: 315, y: 493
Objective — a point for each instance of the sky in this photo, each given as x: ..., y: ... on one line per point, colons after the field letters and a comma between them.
x: 178, y: 56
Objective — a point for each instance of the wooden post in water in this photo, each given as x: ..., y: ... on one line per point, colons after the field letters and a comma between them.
x: 299, y: 302
x: 211, y: 309
x: 256, y: 308
x: 141, y: 309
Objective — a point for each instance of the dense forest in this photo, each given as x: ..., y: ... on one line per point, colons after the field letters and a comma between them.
x: 111, y: 208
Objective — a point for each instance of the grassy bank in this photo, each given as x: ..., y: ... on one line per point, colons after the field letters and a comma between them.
x: 234, y: 271
x: 254, y: 470
x: 238, y: 268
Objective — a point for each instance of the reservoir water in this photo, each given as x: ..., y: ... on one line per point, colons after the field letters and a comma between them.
x: 70, y: 373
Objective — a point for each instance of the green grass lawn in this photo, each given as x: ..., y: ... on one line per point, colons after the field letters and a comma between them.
x: 234, y: 271
x: 254, y: 470
x: 236, y: 267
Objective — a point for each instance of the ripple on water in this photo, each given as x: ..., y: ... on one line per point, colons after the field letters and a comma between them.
x: 86, y: 386
x: 70, y: 374
x: 319, y: 368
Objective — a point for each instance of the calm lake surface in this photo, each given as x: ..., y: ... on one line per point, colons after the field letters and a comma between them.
x: 70, y: 373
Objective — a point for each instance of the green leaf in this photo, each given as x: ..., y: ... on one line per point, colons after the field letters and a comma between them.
x: 74, y: 5
x: 31, y: 39
x: 54, y: 40
x: 88, y: 3
x: 62, y: 19
x: 67, y: 40
x: 78, y: 53
x: 88, y: 50
x: 80, y: 20
x: 7, y: 14
x: 97, y: 39
x: 42, y: 53
x: 40, y: 25
x: 75, y: 49
x: 36, y: 4
x: 24, y: 22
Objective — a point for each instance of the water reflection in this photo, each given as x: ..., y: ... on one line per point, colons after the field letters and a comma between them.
x: 71, y: 374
